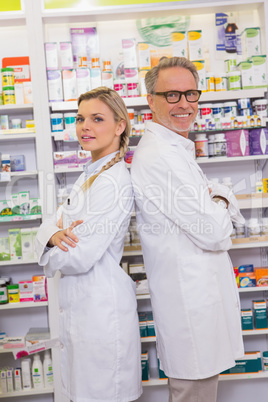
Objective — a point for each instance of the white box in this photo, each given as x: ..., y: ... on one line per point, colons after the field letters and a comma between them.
x: 200, y: 66
x: 4, y: 249
x: 195, y: 47
x: 179, y: 44
x: 19, y: 93
x: 27, y: 92
x: 69, y: 85
x: 144, y: 55
x: 251, y: 42
x: 24, y: 200
x: 27, y: 244
x: 130, y: 53
x: 15, y: 244
x: 246, y: 69
x: 259, y: 71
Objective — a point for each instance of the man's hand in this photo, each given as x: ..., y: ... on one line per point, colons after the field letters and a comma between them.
x: 65, y: 235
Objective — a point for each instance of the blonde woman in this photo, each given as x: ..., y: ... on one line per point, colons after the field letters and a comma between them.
x: 99, y: 329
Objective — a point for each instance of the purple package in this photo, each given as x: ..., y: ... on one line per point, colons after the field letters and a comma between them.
x: 84, y: 42
x: 258, y: 139
x: 67, y: 158
x: 237, y: 143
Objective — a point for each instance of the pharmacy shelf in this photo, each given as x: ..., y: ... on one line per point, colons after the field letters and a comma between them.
x: 64, y: 169
x: 240, y: 290
x: 28, y: 392
x: 18, y: 136
x: 230, y: 159
x: 251, y: 201
x: 148, y: 339
x: 19, y: 174
x: 256, y: 244
x: 132, y: 251
x: 20, y: 262
x: 142, y: 100
x: 20, y: 218
x: 255, y: 332
x: 17, y: 108
x: 137, y: 11
x: 253, y: 289
x: 223, y: 377
x: 11, y: 306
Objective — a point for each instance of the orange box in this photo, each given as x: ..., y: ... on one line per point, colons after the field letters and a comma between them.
x: 261, y: 276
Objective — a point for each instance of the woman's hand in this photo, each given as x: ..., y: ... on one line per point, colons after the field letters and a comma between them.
x: 65, y: 235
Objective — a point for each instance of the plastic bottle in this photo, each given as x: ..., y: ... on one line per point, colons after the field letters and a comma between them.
x: 37, y: 372
x: 253, y: 227
x: 48, y: 370
x: 219, y: 144
x: 26, y: 373
x: 201, y: 145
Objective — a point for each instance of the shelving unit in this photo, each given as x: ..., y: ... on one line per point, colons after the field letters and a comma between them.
x: 11, y: 306
x: 27, y: 393
x: 37, y: 23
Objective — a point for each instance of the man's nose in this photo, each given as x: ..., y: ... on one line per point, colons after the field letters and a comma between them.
x: 183, y: 101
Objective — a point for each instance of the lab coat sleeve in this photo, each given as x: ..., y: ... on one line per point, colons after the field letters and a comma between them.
x: 107, y: 207
x: 233, y: 208
x: 45, y: 232
x: 179, y: 191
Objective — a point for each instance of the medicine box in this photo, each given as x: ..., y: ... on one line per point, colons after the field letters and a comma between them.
x: 246, y: 268
x: 5, y: 208
x: 15, y: 204
x: 261, y: 276
x: 179, y: 44
x: 4, y: 249
x: 246, y: 319
x: 259, y: 71
x: 17, y: 163
x: 195, y: 51
x: 260, y: 314
x: 250, y: 363
x: 37, y: 335
x: 26, y: 291
x: 251, y: 42
x: 27, y: 245
x: 237, y: 143
x: 144, y: 55
x: 246, y: 69
x: 129, y: 53
x: 15, y: 244
x: 145, y: 366
x: 200, y: 66
x: 24, y: 200
x: 161, y: 373
x: 39, y: 288
x: 247, y: 280
x: 143, y: 324
x: 67, y: 158
x: 258, y: 141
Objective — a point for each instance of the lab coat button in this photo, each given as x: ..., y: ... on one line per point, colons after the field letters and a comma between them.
x: 60, y: 309
x: 61, y: 346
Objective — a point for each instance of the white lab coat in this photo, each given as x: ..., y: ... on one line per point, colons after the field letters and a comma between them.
x: 99, y: 329
x: 185, y: 237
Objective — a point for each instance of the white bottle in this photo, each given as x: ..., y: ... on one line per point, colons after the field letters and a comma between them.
x: 26, y: 373
x: 48, y: 370
x: 37, y: 372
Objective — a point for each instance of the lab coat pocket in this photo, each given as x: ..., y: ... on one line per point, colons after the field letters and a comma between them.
x: 200, y: 280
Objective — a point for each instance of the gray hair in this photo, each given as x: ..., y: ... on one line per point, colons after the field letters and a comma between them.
x: 152, y: 75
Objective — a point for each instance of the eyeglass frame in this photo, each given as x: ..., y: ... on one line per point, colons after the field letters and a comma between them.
x: 180, y: 93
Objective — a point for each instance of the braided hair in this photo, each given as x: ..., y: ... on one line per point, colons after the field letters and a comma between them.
x: 114, y: 101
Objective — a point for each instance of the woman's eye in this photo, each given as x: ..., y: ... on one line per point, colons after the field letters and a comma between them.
x: 97, y: 119
x: 79, y: 119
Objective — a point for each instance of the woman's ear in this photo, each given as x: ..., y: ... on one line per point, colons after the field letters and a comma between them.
x: 120, y: 128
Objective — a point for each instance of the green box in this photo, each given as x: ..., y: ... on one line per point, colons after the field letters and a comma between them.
x: 15, y: 204
x: 15, y: 244
x: 4, y: 249
x: 247, y: 319
x: 260, y: 314
x: 250, y: 363
x: 145, y: 366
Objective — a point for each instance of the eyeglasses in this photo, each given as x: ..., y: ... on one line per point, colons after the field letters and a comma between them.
x: 192, y: 95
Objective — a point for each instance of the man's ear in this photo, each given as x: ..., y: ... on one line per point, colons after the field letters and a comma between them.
x: 150, y: 100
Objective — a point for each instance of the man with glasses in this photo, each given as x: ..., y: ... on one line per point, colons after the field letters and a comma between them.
x: 185, y: 223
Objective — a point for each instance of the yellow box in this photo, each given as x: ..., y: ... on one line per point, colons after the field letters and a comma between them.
x: 265, y: 185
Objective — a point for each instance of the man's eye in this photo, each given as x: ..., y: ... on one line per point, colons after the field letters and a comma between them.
x: 172, y: 95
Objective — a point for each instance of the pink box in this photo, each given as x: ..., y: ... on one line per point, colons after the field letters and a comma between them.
x: 237, y: 143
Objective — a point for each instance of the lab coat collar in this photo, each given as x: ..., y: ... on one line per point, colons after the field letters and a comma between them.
x: 170, y: 136
x: 91, y: 168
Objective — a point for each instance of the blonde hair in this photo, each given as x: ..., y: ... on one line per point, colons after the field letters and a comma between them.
x: 118, y: 107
